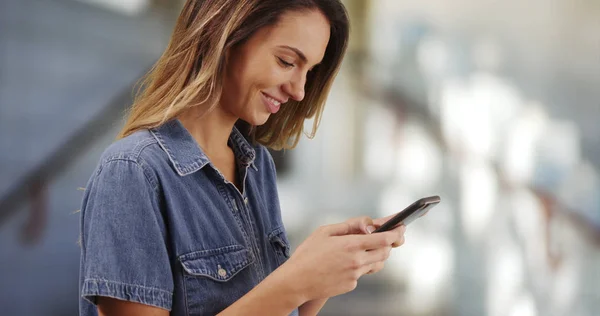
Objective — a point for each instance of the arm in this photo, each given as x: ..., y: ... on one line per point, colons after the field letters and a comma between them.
x: 108, y: 306
x: 357, y: 226
x: 125, y: 262
x: 298, y: 282
x: 313, y: 307
x: 271, y: 296
x: 275, y: 295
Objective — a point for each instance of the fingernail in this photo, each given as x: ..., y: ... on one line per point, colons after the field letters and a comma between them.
x: 370, y: 228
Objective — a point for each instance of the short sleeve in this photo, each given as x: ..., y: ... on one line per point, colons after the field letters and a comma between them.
x: 123, y: 237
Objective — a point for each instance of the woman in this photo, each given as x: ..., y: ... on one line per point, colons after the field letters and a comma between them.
x: 182, y: 213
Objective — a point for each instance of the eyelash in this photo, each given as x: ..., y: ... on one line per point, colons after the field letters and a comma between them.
x: 285, y: 63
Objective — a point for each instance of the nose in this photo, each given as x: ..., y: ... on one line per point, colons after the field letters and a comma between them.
x: 295, y: 87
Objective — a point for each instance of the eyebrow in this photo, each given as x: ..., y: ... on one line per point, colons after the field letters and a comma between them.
x: 297, y: 51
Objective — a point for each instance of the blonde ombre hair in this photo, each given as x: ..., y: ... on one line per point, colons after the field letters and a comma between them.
x: 190, y: 71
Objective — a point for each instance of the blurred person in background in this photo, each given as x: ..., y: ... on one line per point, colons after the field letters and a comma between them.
x: 182, y: 213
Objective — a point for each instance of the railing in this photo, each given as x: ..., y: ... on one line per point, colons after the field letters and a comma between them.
x: 33, y: 185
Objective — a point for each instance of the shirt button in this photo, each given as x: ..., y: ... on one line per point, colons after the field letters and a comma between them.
x: 222, y: 272
x: 246, y: 201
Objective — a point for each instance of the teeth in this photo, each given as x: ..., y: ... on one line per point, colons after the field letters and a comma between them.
x: 277, y: 103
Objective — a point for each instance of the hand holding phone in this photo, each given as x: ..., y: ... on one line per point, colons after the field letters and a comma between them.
x: 409, y: 214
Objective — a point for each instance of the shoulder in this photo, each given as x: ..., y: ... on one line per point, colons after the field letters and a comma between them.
x: 141, y: 148
x: 136, y: 147
x: 123, y: 178
x: 138, y: 153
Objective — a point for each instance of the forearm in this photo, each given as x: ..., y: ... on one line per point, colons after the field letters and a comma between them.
x: 312, y: 308
x: 275, y: 295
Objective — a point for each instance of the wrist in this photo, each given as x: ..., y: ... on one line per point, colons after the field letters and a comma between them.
x: 290, y: 284
x: 278, y: 294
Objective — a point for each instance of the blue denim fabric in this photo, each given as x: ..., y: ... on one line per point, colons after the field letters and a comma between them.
x: 161, y: 226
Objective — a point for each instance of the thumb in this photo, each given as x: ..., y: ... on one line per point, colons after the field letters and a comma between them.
x: 361, y: 225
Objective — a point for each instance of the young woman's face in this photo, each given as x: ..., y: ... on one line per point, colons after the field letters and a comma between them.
x: 271, y: 67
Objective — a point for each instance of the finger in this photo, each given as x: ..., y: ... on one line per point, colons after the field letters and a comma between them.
x: 399, y: 242
x: 340, y: 229
x: 374, y: 241
x: 360, y: 225
x: 377, y: 255
x: 376, y: 267
x: 400, y: 230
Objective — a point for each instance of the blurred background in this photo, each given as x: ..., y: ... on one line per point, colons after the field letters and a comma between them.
x: 493, y: 105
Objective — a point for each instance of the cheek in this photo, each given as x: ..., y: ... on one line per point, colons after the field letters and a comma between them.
x: 276, y: 76
x: 265, y: 72
x: 234, y: 90
x: 245, y: 80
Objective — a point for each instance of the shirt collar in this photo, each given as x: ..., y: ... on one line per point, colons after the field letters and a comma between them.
x: 186, y: 155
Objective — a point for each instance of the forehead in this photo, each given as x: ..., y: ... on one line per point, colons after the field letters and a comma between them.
x: 307, y: 31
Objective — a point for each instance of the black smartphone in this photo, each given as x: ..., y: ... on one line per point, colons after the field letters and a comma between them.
x: 409, y: 214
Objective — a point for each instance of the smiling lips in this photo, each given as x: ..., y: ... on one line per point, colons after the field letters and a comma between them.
x: 271, y: 103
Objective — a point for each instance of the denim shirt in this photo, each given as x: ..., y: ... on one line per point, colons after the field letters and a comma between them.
x: 161, y: 226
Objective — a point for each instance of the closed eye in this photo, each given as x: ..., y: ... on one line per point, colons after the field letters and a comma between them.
x: 284, y: 63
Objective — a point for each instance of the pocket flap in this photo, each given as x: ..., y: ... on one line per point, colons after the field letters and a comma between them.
x: 279, y: 238
x: 220, y: 264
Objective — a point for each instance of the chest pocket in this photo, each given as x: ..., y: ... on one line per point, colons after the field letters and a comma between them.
x: 214, y: 279
x: 280, y: 245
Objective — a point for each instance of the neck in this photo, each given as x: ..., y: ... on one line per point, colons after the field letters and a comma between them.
x: 210, y: 131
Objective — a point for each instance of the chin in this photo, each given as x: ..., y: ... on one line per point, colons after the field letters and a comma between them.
x: 258, y: 120
x: 262, y: 121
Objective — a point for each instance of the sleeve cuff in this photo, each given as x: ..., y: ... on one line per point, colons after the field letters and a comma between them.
x: 92, y: 288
